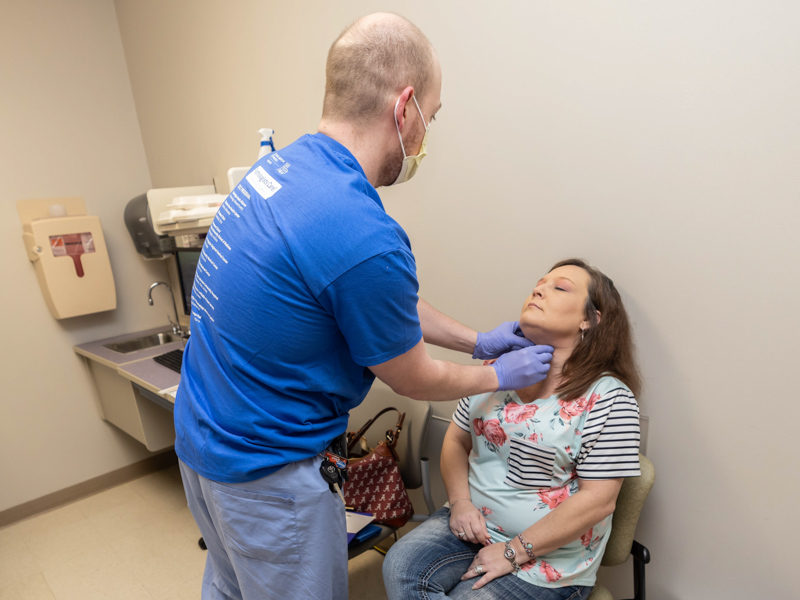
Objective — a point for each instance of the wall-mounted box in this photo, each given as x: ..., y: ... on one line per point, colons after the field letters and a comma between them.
x: 69, y: 254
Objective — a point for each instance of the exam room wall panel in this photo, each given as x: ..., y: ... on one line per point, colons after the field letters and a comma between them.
x: 658, y: 140
x: 68, y: 127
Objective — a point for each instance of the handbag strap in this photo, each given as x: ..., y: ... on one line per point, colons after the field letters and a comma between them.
x: 391, y: 436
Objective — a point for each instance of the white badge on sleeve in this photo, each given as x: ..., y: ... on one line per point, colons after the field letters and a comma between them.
x: 263, y: 182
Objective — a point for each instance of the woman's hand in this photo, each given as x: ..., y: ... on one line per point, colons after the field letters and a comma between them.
x: 490, y: 563
x: 467, y: 519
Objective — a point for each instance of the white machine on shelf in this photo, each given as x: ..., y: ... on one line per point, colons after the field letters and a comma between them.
x: 171, y: 224
x: 192, y: 212
x: 176, y: 211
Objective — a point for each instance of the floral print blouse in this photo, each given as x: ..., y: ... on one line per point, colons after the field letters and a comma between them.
x: 526, y: 459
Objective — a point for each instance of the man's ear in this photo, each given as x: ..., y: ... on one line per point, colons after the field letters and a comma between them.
x: 400, y: 107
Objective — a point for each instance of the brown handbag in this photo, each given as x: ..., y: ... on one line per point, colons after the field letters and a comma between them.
x: 374, y: 483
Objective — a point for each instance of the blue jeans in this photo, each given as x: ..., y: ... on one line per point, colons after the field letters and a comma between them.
x: 281, y: 536
x: 428, y: 564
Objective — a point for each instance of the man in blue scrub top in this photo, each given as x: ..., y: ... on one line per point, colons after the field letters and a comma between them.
x: 305, y: 291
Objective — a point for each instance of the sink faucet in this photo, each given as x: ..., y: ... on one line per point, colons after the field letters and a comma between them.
x: 176, y: 328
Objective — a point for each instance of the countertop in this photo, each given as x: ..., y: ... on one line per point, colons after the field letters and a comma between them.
x: 138, y: 366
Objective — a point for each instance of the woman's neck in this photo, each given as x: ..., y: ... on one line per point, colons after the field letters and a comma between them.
x: 547, y: 387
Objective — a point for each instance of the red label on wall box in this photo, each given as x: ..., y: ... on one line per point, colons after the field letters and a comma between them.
x: 73, y: 245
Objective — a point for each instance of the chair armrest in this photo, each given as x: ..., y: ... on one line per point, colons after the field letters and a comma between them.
x: 640, y: 552
x: 424, y: 472
x: 424, y: 467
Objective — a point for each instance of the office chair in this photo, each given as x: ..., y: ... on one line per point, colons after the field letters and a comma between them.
x: 413, y: 466
x: 623, y: 526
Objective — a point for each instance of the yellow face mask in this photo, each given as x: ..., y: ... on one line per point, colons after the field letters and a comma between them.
x: 410, y: 163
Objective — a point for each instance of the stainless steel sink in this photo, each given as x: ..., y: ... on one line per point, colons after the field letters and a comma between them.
x: 142, y: 343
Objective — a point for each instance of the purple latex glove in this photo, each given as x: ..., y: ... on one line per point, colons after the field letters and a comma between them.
x: 500, y: 340
x: 521, y: 368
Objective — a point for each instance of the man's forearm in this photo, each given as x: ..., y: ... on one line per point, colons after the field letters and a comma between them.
x: 440, y: 330
x: 445, y: 380
x: 417, y: 375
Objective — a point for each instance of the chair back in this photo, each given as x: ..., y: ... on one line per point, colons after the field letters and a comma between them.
x: 414, y: 432
x: 629, y: 505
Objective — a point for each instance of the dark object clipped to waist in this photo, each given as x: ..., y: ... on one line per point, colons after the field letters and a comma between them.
x: 334, y: 463
x: 375, y: 485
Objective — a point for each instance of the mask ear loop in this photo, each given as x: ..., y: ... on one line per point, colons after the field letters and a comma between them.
x: 397, y: 125
x: 421, y: 116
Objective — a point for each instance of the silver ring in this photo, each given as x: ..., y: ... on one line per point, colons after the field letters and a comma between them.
x: 479, y: 570
x: 462, y: 535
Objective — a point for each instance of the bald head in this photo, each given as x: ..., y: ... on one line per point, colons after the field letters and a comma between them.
x: 371, y: 62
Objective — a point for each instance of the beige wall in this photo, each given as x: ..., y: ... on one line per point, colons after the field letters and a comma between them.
x: 67, y: 128
x: 658, y: 140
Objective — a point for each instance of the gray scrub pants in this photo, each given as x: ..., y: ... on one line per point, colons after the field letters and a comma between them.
x: 281, y: 536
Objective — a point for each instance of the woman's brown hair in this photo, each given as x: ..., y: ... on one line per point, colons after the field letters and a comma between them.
x: 607, y: 346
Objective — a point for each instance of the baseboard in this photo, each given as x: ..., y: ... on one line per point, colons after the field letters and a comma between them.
x: 88, y: 488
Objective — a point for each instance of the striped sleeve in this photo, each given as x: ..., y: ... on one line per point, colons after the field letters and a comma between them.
x: 461, y: 416
x: 610, y: 441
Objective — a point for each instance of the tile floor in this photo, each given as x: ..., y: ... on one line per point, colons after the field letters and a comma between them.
x: 136, y: 541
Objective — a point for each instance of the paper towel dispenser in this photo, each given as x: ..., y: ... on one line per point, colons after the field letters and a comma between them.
x: 139, y: 222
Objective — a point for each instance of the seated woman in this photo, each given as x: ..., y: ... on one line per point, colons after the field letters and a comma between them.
x: 532, y: 476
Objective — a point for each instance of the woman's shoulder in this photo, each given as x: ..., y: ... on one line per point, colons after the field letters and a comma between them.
x: 609, y: 385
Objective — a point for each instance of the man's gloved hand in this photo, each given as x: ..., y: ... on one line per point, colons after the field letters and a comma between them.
x: 500, y: 340
x: 521, y: 368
